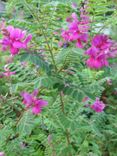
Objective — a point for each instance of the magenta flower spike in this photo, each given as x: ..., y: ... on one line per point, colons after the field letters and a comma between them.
x: 99, y: 52
x: 14, y: 39
x: 77, y: 31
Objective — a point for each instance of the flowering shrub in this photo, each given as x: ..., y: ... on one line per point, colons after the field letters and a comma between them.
x: 58, y: 84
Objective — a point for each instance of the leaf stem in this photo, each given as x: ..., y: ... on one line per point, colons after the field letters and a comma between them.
x: 62, y: 103
x: 37, y: 19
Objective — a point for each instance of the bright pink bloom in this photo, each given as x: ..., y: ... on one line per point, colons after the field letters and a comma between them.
x: 14, y: 39
x: 31, y: 101
x: 101, y: 42
x: 97, y: 63
x: 77, y: 31
x: 98, y: 106
x: 99, y: 52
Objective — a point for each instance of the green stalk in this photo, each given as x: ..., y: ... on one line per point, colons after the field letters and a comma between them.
x: 43, y: 31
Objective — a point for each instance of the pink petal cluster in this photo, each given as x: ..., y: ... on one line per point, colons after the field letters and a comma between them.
x: 14, y: 39
x: 77, y: 30
x: 99, y: 52
x: 98, y: 106
x: 31, y: 101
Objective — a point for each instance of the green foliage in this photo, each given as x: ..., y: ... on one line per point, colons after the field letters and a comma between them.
x: 66, y: 126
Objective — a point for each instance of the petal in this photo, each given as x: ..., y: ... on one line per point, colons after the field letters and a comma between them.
x: 41, y: 103
x: 17, y: 33
x: 84, y: 37
x: 10, y: 28
x: 27, y: 97
x: 5, y: 41
x: 22, y: 35
x: 18, y: 45
x: 92, y: 51
x: 79, y: 44
x: 36, y: 110
x: 28, y: 39
x: 35, y: 92
x: 14, y: 51
x: 74, y: 16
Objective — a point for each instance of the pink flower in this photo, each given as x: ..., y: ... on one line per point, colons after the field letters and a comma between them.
x: 77, y: 31
x: 99, y: 52
x: 31, y: 101
x: 98, y: 106
x: 14, y: 39
x: 97, y: 63
x: 2, y: 154
x: 101, y: 42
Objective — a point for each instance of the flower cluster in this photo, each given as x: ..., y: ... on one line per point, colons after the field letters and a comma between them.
x: 77, y: 30
x: 14, y: 39
x: 99, y: 52
x: 31, y: 101
x: 98, y: 106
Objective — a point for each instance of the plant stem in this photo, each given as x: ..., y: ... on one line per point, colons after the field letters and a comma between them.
x: 63, y: 110
x: 51, y: 53
x: 62, y: 103
x: 37, y: 19
x: 68, y: 138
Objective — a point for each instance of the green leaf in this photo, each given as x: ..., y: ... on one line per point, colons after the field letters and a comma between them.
x: 26, y: 124
x: 37, y: 60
